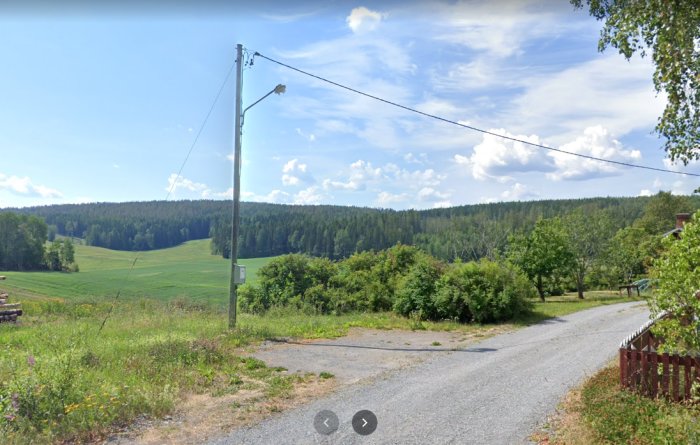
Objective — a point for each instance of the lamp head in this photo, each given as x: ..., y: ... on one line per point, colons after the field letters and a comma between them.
x: 279, y: 89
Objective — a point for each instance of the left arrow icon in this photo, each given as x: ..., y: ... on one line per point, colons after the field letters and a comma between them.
x: 326, y: 422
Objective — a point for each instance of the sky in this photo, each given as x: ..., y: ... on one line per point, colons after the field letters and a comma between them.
x: 103, y: 104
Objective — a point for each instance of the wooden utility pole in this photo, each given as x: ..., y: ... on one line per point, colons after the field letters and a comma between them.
x: 236, y: 216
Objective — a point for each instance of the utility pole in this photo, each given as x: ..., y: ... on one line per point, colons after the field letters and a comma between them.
x: 236, y: 215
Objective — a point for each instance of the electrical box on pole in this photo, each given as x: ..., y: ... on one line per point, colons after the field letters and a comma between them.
x: 239, y: 274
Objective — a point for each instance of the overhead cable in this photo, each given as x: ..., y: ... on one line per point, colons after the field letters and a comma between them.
x: 470, y: 127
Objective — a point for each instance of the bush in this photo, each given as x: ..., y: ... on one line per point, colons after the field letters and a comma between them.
x: 484, y: 291
x: 416, y: 291
x: 402, y: 278
x: 290, y: 280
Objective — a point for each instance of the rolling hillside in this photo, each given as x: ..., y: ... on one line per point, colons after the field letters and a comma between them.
x: 188, y: 270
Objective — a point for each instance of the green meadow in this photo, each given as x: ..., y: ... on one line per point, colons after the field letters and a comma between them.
x: 187, y: 271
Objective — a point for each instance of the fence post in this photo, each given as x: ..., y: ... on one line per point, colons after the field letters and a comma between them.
x: 675, y: 361
x: 665, y: 376
x: 623, y: 368
x: 687, y: 366
x: 654, y: 374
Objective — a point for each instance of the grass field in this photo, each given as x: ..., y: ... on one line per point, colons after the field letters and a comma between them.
x: 187, y: 271
x: 64, y: 379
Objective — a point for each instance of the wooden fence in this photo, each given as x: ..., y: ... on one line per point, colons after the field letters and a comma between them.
x: 653, y: 374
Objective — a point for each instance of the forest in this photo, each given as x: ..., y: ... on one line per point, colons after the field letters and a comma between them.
x: 467, y: 232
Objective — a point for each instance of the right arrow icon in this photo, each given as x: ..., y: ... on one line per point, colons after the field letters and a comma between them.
x: 364, y: 422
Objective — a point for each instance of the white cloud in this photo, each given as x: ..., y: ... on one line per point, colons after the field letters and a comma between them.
x: 432, y: 195
x: 25, y: 187
x: 275, y: 196
x: 363, y: 20
x: 310, y: 195
x: 645, y: 192
x: 385, y: 199
x: 597, y: 142
x: 295, y: 173
x: 293, y: 165
x: 518, y: 192
x: 498, y: 158
x: 289, y: 180
x: 692, y: 167
x: 361, y: 173
x: 176, y: 183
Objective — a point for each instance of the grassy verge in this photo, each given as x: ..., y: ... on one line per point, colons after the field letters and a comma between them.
x: 65, y: 380
x: 600, y: 413
x: 570, y: 303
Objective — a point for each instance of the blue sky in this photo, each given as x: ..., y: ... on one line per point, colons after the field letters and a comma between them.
x: 104, y: 104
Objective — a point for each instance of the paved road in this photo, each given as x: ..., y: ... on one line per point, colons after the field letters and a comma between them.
x: 493, y: 392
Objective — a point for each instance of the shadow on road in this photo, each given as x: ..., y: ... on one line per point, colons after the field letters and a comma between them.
x: 437, y: 349
x: 340, y: 345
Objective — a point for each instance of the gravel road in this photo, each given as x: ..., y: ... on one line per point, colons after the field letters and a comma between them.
x: 493, y: 392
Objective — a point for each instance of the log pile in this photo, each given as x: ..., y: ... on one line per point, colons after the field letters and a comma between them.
x: 8, y: 311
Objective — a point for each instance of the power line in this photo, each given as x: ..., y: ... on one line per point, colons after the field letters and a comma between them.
x: 172, y: 187
x: 510, y: 138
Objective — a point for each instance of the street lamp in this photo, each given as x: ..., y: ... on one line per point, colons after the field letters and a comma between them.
x: 236, y: 278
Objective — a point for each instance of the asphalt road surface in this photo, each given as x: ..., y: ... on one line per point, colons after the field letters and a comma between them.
x: 493, y: 392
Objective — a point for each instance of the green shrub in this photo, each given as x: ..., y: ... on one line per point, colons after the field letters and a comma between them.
x: 416, y: 291
x: 252, y: 299
x: 484, y: 291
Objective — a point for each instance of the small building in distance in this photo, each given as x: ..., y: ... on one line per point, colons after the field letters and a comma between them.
x: 681, y: 219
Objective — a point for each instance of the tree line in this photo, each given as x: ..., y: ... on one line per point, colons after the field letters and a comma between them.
x: 23, y: 245
x: 466, y: 232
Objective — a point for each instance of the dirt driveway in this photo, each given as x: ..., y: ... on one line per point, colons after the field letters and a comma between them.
x: 364, y: 353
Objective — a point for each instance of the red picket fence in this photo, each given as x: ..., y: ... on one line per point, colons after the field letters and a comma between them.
x: 653, y: 374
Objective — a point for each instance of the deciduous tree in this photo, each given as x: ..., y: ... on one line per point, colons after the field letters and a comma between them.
x: 668, y: 30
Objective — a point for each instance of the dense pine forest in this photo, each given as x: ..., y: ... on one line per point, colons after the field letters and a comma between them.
x: 466, y: 232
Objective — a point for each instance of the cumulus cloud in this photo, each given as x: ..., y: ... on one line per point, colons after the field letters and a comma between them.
x: 310, y: 195
x: 25, y: 187
x: 384, y: 199
x: 518, y: 192
x: 176, y: 183
x: 498, y: 158
x: 645, y: 192
x: 275, y: 196
x: 361, y: 173
x: 430, y: 194
x: 363, y: 20
x: 295, y: 173
x: 596, y: 141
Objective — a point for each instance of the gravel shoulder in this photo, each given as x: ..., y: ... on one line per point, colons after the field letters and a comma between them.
x: 495, y: 391
x: 366, y: 353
